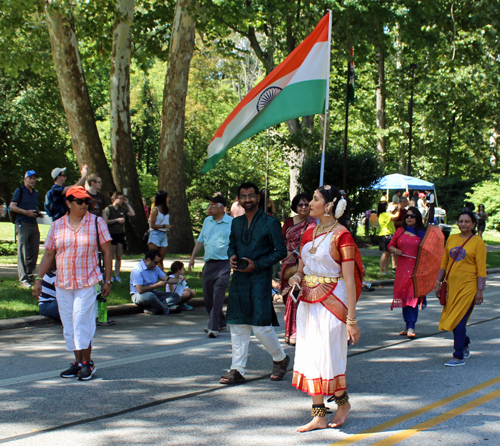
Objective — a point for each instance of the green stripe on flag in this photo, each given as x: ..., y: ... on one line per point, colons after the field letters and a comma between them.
x: 294, y: 101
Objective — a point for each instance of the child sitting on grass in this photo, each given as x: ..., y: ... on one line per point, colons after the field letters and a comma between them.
x: 177, y: 271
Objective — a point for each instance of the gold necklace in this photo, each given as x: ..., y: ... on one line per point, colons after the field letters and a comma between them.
x: 322, y: 227
x: 314, y: 249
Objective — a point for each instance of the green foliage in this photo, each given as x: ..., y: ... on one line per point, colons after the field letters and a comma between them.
x: 8, y: 249
x: 488, y: 193
x: 363, y: 169
x: 33, y: 132
x: 452, y: 193
x: 149, y: 186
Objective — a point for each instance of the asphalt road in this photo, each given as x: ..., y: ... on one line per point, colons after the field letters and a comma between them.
x: 157, y: 384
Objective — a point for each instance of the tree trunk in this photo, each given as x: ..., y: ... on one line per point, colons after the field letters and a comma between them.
x: 171, y: 156
x: 381, y: 139
x: 122, y: 148
x: 74, y: 95
x: 296, y: 156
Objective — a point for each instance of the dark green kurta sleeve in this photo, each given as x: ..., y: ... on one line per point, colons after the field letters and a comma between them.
x: 278, y: 243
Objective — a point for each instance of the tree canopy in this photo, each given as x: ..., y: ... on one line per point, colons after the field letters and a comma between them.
x: 454, y: 45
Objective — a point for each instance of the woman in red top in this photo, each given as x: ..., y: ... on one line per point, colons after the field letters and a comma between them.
x: 404, y: 244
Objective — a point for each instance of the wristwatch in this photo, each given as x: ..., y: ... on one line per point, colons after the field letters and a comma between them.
x: 107, y: 281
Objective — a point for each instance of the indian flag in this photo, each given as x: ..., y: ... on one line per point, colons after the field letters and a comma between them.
x: 297, y: 87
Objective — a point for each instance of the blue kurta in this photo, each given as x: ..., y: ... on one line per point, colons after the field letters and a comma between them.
x: 250, y: 294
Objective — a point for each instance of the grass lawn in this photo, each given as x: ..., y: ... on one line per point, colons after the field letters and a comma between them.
x: 7, y: 231
x: 18, y: 302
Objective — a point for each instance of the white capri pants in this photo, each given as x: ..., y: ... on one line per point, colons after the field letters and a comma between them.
x: 240, y: 340
x: 78, y: 311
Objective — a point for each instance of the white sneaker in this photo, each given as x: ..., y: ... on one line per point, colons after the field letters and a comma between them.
x: 118, y: 279
x: 213, y: 334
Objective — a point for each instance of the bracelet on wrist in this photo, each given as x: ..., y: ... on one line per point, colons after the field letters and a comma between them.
x: 38, y: 278
x: 351, y: 321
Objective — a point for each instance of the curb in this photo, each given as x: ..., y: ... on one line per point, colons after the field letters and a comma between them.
x: 131, y: 309
x: 113, y: 311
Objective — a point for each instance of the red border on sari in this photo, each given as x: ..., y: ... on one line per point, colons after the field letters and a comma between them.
x: 319, y: 386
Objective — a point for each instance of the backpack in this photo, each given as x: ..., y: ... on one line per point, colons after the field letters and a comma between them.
x: 12, y: 214
x: 53, y: 209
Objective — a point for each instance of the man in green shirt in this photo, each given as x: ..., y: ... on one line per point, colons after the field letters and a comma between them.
x: 255, y: 245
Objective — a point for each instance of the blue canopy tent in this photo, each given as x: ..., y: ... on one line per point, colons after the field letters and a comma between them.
x: 397, y: 181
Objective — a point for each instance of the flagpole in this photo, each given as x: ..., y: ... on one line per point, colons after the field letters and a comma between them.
x: 344, y: 176
x: 327, y: 99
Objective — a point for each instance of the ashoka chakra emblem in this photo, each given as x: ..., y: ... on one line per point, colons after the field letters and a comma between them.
x: 267, y: 96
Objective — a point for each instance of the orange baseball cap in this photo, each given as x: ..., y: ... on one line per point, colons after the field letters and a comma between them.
x: 78, y: 192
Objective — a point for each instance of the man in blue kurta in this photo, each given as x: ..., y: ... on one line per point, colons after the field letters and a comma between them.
x: 255, y: 245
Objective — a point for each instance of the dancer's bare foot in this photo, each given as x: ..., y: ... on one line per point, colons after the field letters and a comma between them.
x: 316, y: 423
x: 340, y: 415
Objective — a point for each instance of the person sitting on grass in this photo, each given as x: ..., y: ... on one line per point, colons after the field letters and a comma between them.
x: 177, y: 271
x: 146, y: 278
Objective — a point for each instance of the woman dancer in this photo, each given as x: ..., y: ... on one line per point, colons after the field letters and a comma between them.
x: 404, y: 244
x: 293, y: 231
x: 329, y: 275
x: 465, y: 283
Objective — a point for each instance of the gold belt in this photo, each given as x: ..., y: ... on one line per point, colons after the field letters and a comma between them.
x: 312, y: 281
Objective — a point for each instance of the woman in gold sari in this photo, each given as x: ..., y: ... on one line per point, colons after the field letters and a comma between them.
x: 465, y: 283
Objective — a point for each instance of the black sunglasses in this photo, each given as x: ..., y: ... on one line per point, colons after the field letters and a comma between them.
x: 410, y: 216
x: 80, y: 201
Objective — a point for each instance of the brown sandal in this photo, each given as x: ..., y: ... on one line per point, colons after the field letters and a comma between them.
x: 232, y: 377
x: 403, y: 333
x: 279, y: 369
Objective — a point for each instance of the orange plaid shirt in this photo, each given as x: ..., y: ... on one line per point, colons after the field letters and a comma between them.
x: 76, y: 251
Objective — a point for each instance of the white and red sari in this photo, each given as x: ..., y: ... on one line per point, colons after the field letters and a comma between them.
x: 321, y: 346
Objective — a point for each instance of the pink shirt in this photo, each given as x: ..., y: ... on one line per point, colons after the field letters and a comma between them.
x: 76, y: 251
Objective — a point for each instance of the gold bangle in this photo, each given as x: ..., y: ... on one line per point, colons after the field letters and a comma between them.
x: 352, y: 322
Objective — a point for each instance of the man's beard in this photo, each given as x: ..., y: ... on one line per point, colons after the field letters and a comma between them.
x: 248, y: 206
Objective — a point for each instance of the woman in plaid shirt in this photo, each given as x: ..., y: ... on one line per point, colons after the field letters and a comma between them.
x: 72, y: 242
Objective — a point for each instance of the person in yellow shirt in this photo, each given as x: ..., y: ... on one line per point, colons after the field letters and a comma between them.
x: 385, y: 235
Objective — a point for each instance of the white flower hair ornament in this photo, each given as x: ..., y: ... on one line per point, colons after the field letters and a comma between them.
x: 341, y: 206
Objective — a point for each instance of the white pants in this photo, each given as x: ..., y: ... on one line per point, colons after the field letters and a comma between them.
x: 240, y: 339
x: 78, y: 310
